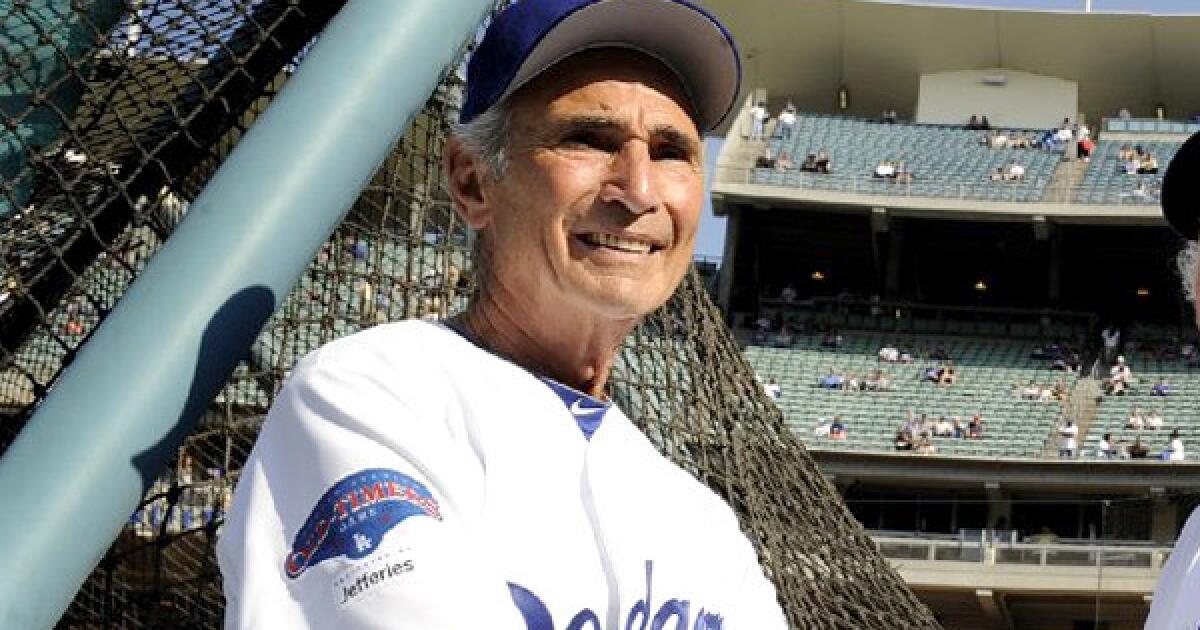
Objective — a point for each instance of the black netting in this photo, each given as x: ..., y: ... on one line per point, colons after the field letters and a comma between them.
x: 117, y: 113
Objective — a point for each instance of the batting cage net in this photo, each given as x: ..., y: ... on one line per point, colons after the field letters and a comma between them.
x: 115, y: 115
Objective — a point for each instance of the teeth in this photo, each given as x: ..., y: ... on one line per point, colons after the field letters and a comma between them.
x: 608, y: 240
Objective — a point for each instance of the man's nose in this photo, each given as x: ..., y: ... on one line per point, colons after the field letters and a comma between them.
x: 631, y: 179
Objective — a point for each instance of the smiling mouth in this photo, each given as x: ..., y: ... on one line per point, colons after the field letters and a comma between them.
x: 619, y: 244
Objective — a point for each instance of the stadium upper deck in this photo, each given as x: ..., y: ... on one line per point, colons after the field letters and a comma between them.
x: 877, y: 52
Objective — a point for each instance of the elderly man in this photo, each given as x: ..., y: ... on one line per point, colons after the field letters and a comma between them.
x: 474, y: 474
x: 1175, y: 602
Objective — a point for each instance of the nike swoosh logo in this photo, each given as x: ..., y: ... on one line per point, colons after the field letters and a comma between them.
x: 580, y: 410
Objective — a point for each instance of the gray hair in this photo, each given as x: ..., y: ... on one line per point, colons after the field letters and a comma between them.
x: 487, y: 136
x: 1188, y: 263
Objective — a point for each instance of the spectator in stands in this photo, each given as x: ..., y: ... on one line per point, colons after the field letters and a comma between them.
x: 1124, y: 114
x: 772, y: 389
x: 1084, y: 149
x: 1174, y: 451
x: 823, y: 163
x: 1161, y: 388
x: 932, y: 374
x: 984, y: 123
x: 1068, y: 434
x: 1125, y: 153
x: 784, y: 338
x: 787, y: 121
x: 832, y: 380
x: 1154, y: 420
x: 910, y: 425
x: 889, y: 354
x: 889, y: 115
x: 823, y: 428
x: 758, y: 121
x: 925, y: 445
x: 766, y: 160
x: 960, y: 429
x: 1111, y: 336
x: 884, y: 170
x: 852, y: 384
x: 838, y: 430
x: 810, y: 163
x: 903, y: 440
x: 903, y: 174
x: 1148, y: 165
x: 1138, y: 450
x: 878, y: 382
x: 788, y: 294
x: 948, y: 375
x: 1135, y: 420
x: 973, y: 123
x: 1120, y: 378
x: 1105, y: 449
x: 832, y: 339
x: 784, y: 163
x: 943, y: 427
x: 1059, y: 391
x: 975, y: 428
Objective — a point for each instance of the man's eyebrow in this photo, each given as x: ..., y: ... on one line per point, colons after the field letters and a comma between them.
x: 673, y: 135
x: 668, y: 133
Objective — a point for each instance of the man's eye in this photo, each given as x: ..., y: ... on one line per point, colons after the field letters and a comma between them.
x: 586, y: 139
x: 670, y: 152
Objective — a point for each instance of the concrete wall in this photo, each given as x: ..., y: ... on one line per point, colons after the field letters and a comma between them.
x: 1023, y: 100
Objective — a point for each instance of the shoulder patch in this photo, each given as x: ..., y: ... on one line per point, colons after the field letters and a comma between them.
x: 352, y: 517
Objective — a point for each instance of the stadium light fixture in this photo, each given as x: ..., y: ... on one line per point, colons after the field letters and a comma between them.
x: 981, y: 286
x: 818, y: 275
x: 1143, y: 292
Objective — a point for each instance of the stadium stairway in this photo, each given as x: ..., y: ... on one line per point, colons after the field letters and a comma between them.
x: 1067, y: 177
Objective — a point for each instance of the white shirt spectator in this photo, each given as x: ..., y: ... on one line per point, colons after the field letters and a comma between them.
x: 1124, y: 114
x: 1135, y: 420
x: 758, y: 121
x: 823, y: 427
x: 1105, y: 450
x: 1063, y: 135
x: 1153, y: 420
x: 1174, y: 452
x: 787, y: 118
x: 772, y: 390
x: 1016, y: 171
x: 1067, y: 437
x: 889, y: 354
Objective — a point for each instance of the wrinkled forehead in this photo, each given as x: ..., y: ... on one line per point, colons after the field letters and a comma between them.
x: 604, y: 65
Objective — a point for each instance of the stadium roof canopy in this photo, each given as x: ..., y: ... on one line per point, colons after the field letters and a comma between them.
x: 808, y: 49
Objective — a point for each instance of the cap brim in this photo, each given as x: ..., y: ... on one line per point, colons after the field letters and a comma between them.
x: 689, y: 41
x: 1181, y: 190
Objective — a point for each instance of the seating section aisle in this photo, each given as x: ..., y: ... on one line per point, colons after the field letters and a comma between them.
x: 1179, y: 410
x: 987, y: 371
x: 1106, y: 182
x: 945, y: 161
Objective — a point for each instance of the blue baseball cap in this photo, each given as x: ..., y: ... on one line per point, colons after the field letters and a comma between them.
x: 532, y: 35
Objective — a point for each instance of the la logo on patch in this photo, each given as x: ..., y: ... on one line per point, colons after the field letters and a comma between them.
x: 352, y: 517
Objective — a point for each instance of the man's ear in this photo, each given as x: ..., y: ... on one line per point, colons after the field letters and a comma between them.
x: 465, y: 178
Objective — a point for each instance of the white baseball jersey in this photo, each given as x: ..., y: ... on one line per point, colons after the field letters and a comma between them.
x: 407, y: 479
x: 1176, y: 603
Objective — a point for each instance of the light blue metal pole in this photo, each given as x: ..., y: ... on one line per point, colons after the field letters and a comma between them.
x: 79, y: 467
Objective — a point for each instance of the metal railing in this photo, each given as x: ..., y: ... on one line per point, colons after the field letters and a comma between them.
x: 1033, y: 190
x: 991, y: 552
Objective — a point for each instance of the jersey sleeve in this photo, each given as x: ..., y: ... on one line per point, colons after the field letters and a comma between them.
x: 356, y: 508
